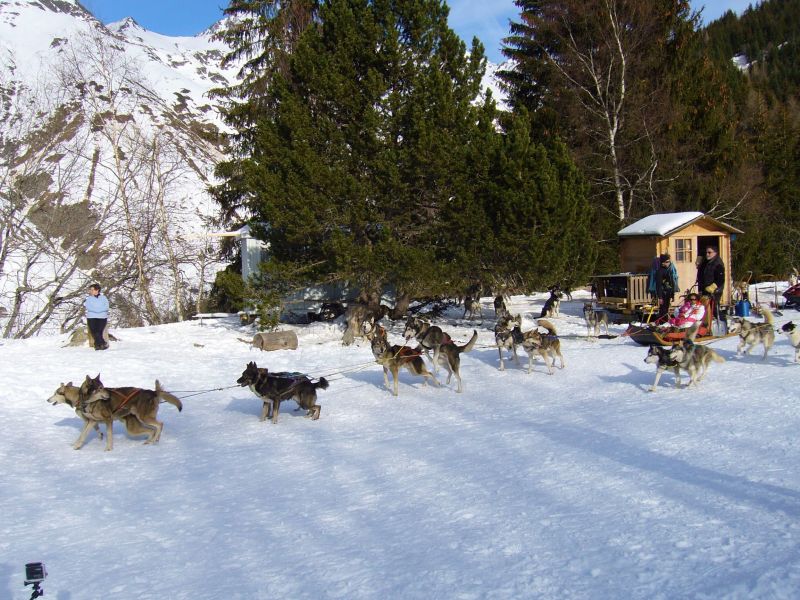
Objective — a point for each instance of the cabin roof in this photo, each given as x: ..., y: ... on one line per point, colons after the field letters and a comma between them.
x: 664, y: 224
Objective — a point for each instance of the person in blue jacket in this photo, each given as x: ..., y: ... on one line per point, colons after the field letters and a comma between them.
x: 96, y: 315
x: 663, y: 283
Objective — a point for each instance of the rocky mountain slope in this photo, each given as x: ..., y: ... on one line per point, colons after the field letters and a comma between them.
x: 109, y: 142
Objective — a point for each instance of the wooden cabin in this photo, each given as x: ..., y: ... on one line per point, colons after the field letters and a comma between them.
x: 683, y: 236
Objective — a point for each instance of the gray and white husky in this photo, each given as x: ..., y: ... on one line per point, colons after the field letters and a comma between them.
x: 694, y: 359
x: 472, y: 307
x: 659, y: 356
x: 547, y: 345
x: 594, y: 319
x: 507, y: 336
x: 752, y: 334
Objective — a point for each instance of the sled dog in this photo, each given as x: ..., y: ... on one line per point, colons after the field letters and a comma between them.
x: 552, y: 305
x: 545, y: 344
x: 500, y: 308
x: 430, y: 337
x: 752, y: 334
x: 694, y: 359
x: 472, y: 307
x: 450, y: 358
x: 73, y: 396
x: 76, y: 397
x: 273, y: 388
x: 360, y: 319
x: 393, y: 357
x: 660, y: 356
x: 793, y: 333
x: 594, y: 319
x: 137, y: 408
x: 507, y: 336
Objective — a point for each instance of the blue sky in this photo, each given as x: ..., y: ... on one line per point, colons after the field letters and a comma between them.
x: 486, y: 19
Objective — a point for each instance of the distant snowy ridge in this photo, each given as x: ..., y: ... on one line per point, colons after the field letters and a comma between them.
x: 492, y: 82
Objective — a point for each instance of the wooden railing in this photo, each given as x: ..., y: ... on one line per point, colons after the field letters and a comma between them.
x: 622, y: 290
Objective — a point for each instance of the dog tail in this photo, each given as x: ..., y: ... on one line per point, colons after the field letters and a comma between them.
x: 716, y: 357
x: 164, y: 396
x: 768, y: 317
x: 470, y: 344
x: 322, y: 384
x: 691, y: 333
x: 551, y: 329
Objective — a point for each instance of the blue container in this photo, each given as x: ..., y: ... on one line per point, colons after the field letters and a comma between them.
x: 742, y: 308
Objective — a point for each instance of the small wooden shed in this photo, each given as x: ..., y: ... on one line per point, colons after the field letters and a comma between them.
x: 683, y: 236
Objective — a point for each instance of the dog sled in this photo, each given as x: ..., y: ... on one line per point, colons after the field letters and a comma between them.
x: 792, y: 296
x: 713, y: 328
x: 647, y: 335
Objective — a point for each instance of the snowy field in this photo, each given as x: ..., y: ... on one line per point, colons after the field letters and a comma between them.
x: 576, y: 485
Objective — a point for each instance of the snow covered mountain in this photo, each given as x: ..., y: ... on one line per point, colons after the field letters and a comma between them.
x: 109, y: 142
x: 180, y: 70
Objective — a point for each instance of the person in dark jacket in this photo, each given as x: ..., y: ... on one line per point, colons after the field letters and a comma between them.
x: 665, y: 281
x: 662, y: 276
x: 711, y: 277
x: 96, y: 315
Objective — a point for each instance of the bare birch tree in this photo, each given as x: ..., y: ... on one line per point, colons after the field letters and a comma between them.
x: 46, y: 242
x: 142, y: 172
x: 607, y: 55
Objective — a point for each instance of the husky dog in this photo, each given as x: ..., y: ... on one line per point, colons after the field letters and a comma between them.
x: 472, y: 307
x: 545, y: 344
x: 694, y: 359
x: 80, y: 397
x: 751, y: 334
x: 500, y: 308
x: 74, y: 396
x: 594, y: 319
x: 508, y: 335
x: 393, y: 357
x: 552, y: 304
x: 793, y: 333
x: 450, y: 357
x: 136, y: 407
x: 660, y: 356
x: 360, y: 319
x: 327, y: 312
x: 430, y: 337
x: 273, y: 388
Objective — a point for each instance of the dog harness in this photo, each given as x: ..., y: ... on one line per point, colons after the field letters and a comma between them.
x: 407, y: 352
x: 125, y: 399
x: 294, y: 379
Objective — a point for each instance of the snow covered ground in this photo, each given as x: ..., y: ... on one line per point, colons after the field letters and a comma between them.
x: 576, y: 485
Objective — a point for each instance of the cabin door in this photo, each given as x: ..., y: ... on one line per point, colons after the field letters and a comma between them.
x: 716, y: 241
x: 704, y: 241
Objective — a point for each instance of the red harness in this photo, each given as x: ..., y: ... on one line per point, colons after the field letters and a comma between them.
x: 406, y: 352
x: 125, y: 399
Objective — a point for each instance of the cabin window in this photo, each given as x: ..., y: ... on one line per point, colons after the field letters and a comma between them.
x: 683, y: 250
